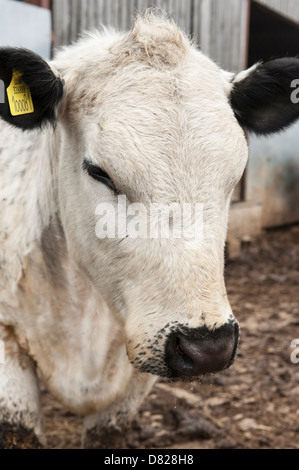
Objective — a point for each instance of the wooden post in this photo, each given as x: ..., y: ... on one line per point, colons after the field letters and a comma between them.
x: 40, y: 3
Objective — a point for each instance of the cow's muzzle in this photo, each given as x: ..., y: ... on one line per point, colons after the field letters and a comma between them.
x: 195, y: 351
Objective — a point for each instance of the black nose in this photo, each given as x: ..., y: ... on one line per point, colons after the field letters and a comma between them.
x: 197, y: 351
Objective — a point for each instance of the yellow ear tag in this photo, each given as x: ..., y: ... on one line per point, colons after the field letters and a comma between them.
x: 19, y: 96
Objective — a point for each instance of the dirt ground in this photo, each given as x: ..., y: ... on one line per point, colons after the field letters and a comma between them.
x: 254, y: 404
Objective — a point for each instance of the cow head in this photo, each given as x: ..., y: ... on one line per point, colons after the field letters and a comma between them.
x: 141, y: 121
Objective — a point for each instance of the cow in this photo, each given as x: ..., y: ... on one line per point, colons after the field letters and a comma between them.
x: 144, y: 116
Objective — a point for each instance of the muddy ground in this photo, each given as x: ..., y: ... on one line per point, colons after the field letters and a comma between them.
x: 254, y: 404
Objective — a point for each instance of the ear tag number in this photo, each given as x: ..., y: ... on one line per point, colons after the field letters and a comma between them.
x: 19, y: 96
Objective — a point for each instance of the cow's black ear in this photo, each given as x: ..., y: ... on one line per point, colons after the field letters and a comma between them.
x: 31, y: 89
x: 264, y: 98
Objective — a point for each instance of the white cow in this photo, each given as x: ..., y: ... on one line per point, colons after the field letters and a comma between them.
x: 143, y: 115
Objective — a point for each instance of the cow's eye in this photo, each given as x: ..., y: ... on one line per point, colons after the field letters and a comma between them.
x: 98, y: 174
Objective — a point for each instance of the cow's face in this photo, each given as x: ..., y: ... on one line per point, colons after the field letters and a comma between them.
x: 150, y: 136
x: 149, y: 123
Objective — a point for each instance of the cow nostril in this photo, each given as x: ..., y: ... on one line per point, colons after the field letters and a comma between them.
x: 198, y: 351
x: 178, y: 346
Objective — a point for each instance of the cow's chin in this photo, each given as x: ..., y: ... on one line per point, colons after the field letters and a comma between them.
x: 160, y: 370
x: 150, y: 366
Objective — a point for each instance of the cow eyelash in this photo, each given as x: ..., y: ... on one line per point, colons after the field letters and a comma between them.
x: 98, y: 174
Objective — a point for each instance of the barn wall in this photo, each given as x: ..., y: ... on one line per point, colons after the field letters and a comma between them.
x: 221, y: 28
x: 273, y: 167
x: 273, y: 176
x: 287, y: 8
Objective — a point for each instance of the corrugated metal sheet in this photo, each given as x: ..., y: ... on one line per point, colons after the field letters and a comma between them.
x: 221, y: 29
x: 71, y: 17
